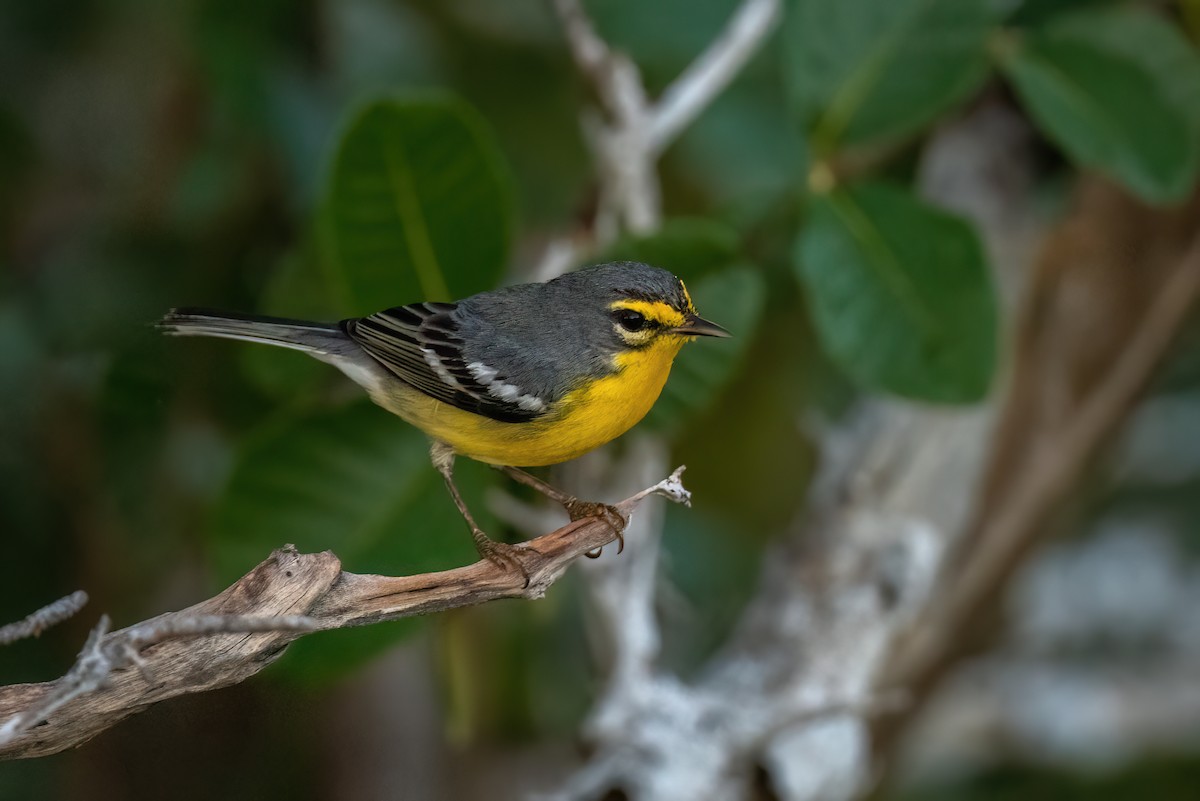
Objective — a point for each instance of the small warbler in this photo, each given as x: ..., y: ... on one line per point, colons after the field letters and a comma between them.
x: 522, y: 376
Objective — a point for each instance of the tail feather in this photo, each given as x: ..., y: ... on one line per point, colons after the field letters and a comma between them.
x: 302, y: 335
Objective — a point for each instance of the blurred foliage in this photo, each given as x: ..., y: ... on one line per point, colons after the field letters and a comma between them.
x: 901, y: 292
x: 321, y: 159
x: 1118, y: 90
x: 862, y: 72
x: 417, y: 205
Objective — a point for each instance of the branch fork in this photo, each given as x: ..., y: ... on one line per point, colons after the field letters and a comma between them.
x: 630, y: 131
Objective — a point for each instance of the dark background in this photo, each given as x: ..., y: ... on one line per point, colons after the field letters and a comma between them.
x: 158, y: 154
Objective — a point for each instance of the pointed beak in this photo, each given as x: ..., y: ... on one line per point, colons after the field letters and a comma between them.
x: 696, y: 326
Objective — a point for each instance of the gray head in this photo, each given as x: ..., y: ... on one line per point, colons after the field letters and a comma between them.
x: 630, y: 280
x: 550, y: 336
x: 644, y: 302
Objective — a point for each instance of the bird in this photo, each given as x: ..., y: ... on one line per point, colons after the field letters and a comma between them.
x: 521, y: 376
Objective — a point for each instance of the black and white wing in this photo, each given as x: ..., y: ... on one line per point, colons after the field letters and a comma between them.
x: 420, y: 344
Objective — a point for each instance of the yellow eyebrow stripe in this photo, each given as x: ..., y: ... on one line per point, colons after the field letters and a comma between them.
x: 654, y: 310
x: 687, y: 296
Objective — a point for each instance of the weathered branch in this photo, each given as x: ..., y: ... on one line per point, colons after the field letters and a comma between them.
x: 239, y: 632
x: 102, y: 655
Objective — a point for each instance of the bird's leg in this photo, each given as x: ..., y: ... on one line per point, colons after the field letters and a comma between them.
x: 576, y: 508
x: 501, y: 554
x: 551, y: 492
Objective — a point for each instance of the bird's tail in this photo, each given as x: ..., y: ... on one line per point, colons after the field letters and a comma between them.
x: 310, y: 337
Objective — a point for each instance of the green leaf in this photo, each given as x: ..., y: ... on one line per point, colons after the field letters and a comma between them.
x: 690, y: 247
x: 733, y: 298
x: 1157, y: 46
x: 356, y: 481
x: 418, y: 205
x: 1118, y: 91
x: 864, y: 70
x: 1151, y: 42
x: 899, y: 293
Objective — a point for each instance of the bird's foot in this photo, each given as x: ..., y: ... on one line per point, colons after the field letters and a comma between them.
x: 501, y: 554
x: 604, y: 512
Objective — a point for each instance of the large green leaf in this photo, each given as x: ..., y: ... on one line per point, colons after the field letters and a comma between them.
x: 1151, y: 42
x: 1117, y: 89
x: 864, y: 70
x: 417, y: 207
x: 690, y: 247
x: 900, y: 293
x: 734, y: 299
x: 356, y: 481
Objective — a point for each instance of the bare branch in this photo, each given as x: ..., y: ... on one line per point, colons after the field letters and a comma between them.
x: 101, y: 656
x: 615, y: 78
x: 44, y: 618
x: 85, y: 675
x: 246, y: 627
x: 683, y: 101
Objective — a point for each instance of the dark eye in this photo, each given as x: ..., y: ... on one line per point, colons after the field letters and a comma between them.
x: 631, y: 320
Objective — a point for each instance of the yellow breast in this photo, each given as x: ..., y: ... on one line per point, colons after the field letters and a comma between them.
x: 585, y: 419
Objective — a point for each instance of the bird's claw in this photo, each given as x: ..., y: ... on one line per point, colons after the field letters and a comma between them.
x: 606, y: 513
x: 502, y: 555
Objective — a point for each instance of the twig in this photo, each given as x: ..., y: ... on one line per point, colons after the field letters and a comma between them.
x: 706, y: 77
x: 44, y: 618
x: 615, y: 78
x: 632, y: 132
x: 246, y: 627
